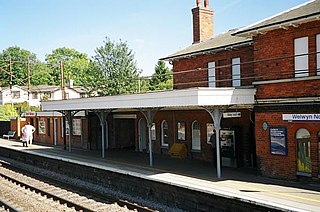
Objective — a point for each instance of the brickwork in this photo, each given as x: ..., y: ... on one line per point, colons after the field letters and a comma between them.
x: 289, y: 89
x: 283, y: 166
x: 274, y: 51
x: 202, y: 24
x: 197, y: 73
x: 274, y: 60
x: 242, y: 126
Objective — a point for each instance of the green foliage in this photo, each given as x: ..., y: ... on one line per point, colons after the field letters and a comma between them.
x: 116, y: 68
x: 18, y: 109
x: 75, y: 63
x: 41, y: 74
x: 19, y: 58
x: 162, y: 78
x: 6, y: 112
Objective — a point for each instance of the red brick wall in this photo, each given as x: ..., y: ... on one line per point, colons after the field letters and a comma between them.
x: 241, y: 125
x: 278, y: 45
x: 283, y: 166
x: 310, y: 88
x: 199, y: 78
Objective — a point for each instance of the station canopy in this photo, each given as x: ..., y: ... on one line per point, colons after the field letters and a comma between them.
x: 192, y: 98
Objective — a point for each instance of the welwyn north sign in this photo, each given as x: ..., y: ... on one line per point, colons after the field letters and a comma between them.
x: 301, y: 117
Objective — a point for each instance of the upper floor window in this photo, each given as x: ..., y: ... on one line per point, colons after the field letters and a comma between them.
x: 16, y: 94
x: 212, y: 74
x: 236, y: 72
x: 301, y: 63
x: 34, y: 96
x: 318, y: 54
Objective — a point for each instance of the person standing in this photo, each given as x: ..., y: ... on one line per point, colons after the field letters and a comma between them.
x: 28, y: 131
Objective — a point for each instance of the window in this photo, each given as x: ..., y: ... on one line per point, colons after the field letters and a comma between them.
x: 67, y: 128
x: 236, y: 72
x: 153, y: 132
x: 210, y: 133
x: 212, y: 74
x: 318, y: 54
x: 76, y: 127
x: 16, y: 94
x: 182, y: 131
x: 196, y: 142
x: 301, y: 64
x: 42, y: 127
x: 34, y: 96
x: 164, y: 133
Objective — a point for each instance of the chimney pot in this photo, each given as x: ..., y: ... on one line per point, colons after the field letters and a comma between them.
x: 206, y: 3
x: 198, y: 3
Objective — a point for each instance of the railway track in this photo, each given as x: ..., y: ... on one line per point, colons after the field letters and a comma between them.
x: 30, y: 187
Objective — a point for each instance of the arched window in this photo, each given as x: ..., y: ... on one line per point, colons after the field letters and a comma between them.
x: 302, y: 134
x: 164, y: 133
x: 196, y: 141
x: 303, y: 152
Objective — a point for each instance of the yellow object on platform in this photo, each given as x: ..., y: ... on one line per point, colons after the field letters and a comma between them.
x: 178, y: 150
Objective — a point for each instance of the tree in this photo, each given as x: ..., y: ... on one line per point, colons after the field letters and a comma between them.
x: 116, y: 68
x: 74, y: 62
x: 19, y: 58
x: 162, y: 78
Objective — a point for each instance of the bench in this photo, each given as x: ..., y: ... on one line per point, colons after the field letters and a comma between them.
x: 9, y: 135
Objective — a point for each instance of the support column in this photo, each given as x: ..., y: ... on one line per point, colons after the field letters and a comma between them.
x: 69, y: 117
x: 102, y: 115
x: 149, y: 115
x: 216, y: 115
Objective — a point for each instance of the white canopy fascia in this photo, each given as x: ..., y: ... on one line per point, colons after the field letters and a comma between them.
x: 193, y: 97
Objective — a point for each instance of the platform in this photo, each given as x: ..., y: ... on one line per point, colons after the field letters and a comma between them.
x: 238, y: 183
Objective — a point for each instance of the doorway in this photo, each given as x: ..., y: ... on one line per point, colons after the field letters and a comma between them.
x: 142, y: 135
x: 304, y: 166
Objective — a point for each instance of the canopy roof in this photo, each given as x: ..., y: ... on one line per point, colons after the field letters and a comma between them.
x: 193, y: 97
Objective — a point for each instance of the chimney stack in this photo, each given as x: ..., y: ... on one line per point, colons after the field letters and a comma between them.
x: 202, y: 22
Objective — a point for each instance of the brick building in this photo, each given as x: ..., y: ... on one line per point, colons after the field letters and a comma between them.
x: 287, y: 62
x: 262, y: 81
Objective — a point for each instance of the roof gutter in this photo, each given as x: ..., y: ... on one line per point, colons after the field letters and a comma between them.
x: 307, y: 17
x: 208, y: 51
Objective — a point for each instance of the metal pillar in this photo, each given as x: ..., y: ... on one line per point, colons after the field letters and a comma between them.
x: 216, y: 115
x: 149, y: 115
x: 69, y: 117
x: 102, y: 115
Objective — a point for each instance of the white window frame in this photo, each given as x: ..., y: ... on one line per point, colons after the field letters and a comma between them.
x: 196, y: 144
x: 212, y: 75
x: 42, y: 127
x: 318, y: 54
x: 153, y: 132
x: 236, y: 72
x: 76, y: 127
x: 163, y: 144
x: 301, y: 63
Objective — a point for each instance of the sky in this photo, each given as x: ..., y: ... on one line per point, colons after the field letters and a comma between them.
x: 152, y: 28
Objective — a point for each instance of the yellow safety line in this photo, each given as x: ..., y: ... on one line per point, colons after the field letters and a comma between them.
x: 274, y: 192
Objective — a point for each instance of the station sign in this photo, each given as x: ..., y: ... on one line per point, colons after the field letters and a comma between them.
x: 30, y: 113
x: 232, y: 115
x: 301, y: 117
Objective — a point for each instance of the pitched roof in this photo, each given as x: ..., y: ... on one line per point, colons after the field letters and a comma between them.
x: 296, y: 15
x: 218, y: 43
x: 44, y: 88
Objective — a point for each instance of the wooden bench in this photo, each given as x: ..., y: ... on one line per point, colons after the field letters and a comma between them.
x: 9, y: 135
